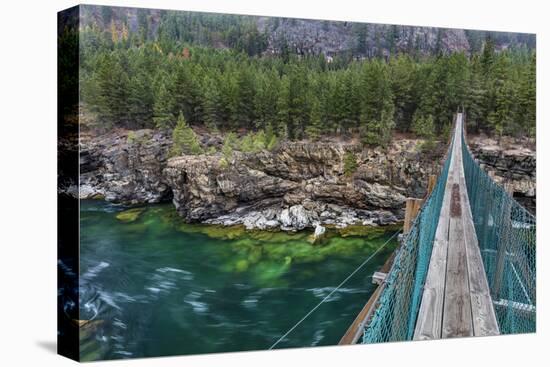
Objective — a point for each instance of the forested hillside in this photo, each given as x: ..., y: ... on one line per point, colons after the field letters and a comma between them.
x: 261, y: 35
x: 153, y: 68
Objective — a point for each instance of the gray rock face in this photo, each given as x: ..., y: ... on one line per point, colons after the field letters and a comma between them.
x: 306, y: 36
x: 122, y: 169
x: 298, y: 185
x: 295, y: 217
x: 512, y: 161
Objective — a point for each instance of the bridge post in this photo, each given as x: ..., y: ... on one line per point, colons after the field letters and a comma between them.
x: 411, y: 210
x: 432, y: 180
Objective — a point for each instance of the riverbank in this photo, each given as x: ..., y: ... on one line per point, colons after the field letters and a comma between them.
x: 293, y: 186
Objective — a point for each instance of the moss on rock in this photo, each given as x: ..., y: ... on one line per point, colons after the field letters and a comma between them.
x: 241, y: 265
x: 130, y: 215
x: 214, y: 231
x: 366, y: 231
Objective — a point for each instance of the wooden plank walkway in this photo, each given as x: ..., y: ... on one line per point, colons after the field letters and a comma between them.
x: 456, y: 299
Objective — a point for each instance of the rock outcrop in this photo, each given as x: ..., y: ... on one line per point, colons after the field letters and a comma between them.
x: 300, y: 184
x: 124, y: 168
x: 512, y: 161
x: 297, y: 185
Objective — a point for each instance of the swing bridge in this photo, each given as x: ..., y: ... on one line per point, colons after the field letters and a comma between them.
x: 465, y: 265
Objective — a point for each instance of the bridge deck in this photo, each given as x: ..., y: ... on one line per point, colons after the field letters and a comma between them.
x: 456, y: 299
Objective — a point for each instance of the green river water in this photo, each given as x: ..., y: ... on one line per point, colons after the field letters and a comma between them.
x: 155, y: 286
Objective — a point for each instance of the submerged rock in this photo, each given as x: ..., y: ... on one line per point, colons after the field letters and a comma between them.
x: 319, y: 231
x: 318, y: 234
x: 130, y: 215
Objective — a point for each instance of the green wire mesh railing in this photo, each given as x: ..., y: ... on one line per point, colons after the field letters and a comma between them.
x: 399, y: 302
x: 506, y: 233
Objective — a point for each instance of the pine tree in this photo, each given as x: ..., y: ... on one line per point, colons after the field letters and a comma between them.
x: 457, y: 80
x: 387, y: 123
x: 113, y: 83
x: 124, y: 33
x: 211, y: 99
x: 143, y: 24
x: 244, y: 114
x: 434, y: 99
x: 247, y: 143
x: 270, y: 137
x: 186, y: 91
x: 423, y: 126
x: 377, y: 112
x: 476, y: 98
x: 347, y: 101
x: 184, y: 139
x: 501, y: 116
x: 229, y: 143
x: 527, y: 96
x: 297, y: 101
x: 133, y: 83
x: 265, y: 99
x: 163, y: 117
x: 402, y: 79
x: 283, y: 109
x: 350, y: 164
x: 141, y: 100
x: 229, y: 105
x: 313, y: 130
x: 488, y: 54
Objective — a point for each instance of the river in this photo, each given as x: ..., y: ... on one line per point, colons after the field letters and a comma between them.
x: 154, y: 286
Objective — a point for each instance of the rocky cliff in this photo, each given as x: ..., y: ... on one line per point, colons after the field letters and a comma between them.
x: 302, y: 36
x: 124, y: 168
x: 512, y: 161
x: 297, y: 185
x: 300, y: 184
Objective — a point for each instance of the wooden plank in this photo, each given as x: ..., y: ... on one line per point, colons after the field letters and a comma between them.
x: 456, y: 299
x: 428, y: 324
x: 355, y: 331
x: 411, y: 210
x: 378, y: 277
x: 526, y: 309
x: 457, y: 310
x: 483, y: 314
x: 430, y: 314
x: 432, y: 181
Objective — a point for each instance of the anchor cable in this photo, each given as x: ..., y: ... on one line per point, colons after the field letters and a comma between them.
x: 334, y: 290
